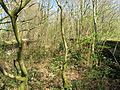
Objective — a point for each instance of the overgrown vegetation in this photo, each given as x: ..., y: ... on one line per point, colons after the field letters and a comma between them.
x: 59, y: 45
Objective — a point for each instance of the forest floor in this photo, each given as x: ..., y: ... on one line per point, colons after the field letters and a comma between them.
x: 50, y: 79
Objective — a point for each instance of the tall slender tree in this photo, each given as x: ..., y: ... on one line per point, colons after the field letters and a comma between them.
x: 64, y: 66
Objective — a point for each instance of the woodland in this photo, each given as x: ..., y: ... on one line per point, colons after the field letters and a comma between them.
x: 59, y: 44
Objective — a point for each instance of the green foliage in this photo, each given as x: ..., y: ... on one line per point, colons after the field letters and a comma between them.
x: 95, y: 78
x: 98, y: 73
x: 88, y: 84
x: 61, y: 47
x: 56, y: 63
x: 94, y: 57
x: 75, y: 56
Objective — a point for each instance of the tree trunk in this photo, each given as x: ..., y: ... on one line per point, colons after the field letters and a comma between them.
x: 64, y: 66
x: 23, y: 69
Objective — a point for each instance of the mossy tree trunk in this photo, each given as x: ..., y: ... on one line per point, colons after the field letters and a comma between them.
x: 22, y: 74
x: 64, y: 66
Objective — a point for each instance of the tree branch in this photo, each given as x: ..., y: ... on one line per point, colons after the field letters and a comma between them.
x: 16, y: 10
x: 11, y: 75
x: 4, y: 7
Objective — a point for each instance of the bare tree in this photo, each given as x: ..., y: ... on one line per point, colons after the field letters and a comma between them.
x: 64, y: 66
